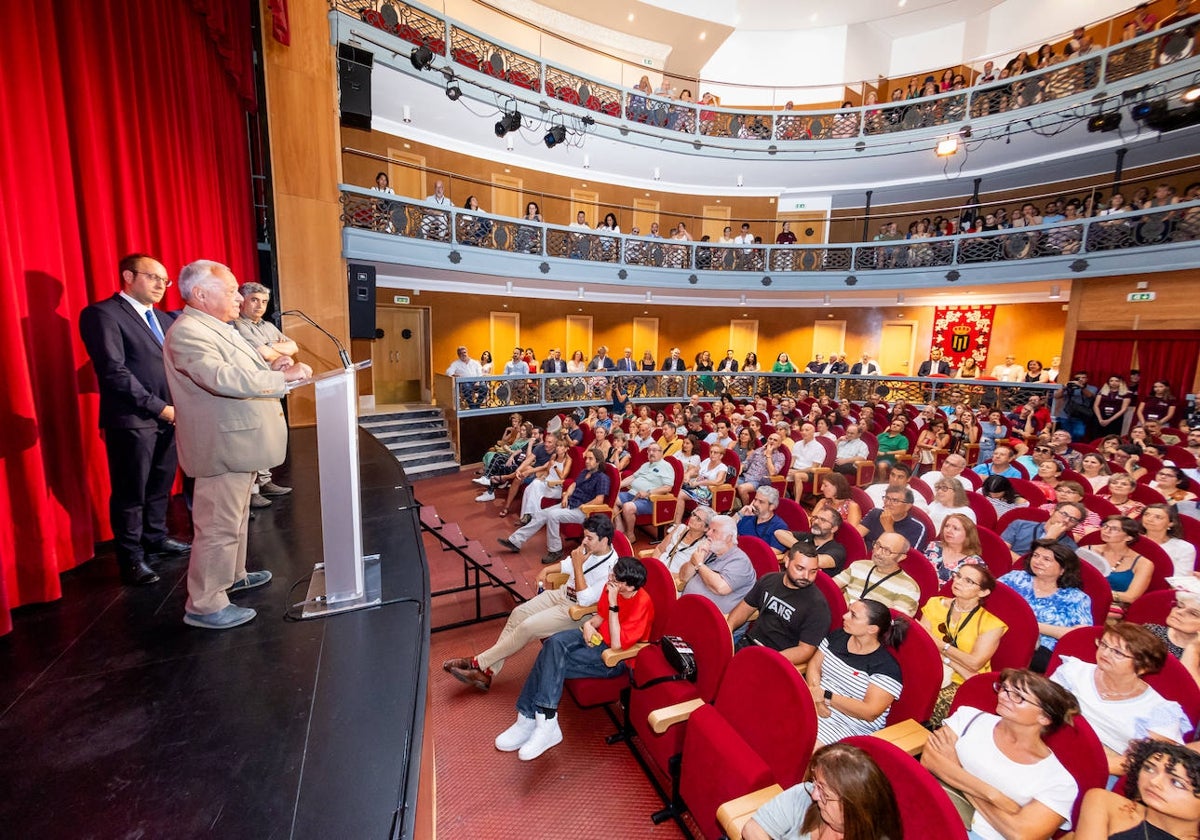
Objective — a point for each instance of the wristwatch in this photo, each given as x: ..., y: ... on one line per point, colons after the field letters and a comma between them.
x: 613, y: 608
x: 828, y: 695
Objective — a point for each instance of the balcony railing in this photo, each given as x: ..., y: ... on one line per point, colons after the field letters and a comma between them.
x: 468, y: 51
x: 408, y: 218
x: 494, y: 394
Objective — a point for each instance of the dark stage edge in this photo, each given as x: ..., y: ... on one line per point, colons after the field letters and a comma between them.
x: 117, y: 720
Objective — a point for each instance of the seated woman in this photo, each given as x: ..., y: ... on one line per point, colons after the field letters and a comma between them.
x: 1161, y: 801
x: 853, y: 676
x: 1048, y: 477
x: 1114, y: 698
x: 1162, y: 525
x: 1131, y: 572
x: 676, y: 549
x: 1181, y: 633
x: 933, y: 437
x: 618, y: 454
x: 1120, y: 486
x: 999, y: 491
x: 949, y: 496
x: 698, y: 485
x: 957, y: 545
x: 503, y: 460
x: 1001, y: 764
x: 1052, y: 584
x: 835, y: 495
x: 602, y: 443
x: 550, y: 484
x: 845, y: 794
x: 746, y: 442
x: 969, y: 634
x: 1095, y: 469
x: 1173, y: 484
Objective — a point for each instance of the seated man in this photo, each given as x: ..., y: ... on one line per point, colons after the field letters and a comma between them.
x: 807, y: 453
x: 645, y: 434
x: 894, y: 518
x: 1001, y: 463
x: 624, y: 616
x: 793, y: 615
x: 893, y: 442
x: 822, y: 526
x: 1022, y: 533
x: 721, y: 435
x: 570, y: 429
x: 758, y: 519
x: 881, y: 577
x: 897, y: 479
x: 760, y: 465
x: 952, y: 468
x: 1033, y: 460
x: 670, y: 442
x: 549, y: 612
x: 718, y: 569
x: 589, y: 488
x: 652, y: 478
x: 851, y: 448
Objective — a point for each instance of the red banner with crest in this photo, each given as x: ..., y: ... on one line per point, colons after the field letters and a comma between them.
x: 962, y: 331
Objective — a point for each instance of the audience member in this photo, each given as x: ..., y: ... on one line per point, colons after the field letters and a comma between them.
x: 1052, y: 584
x: 881, y: 577
x: 718, y: 569
x: 793, y: 615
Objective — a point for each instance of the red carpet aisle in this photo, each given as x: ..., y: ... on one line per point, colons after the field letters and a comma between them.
x: 582, y: 789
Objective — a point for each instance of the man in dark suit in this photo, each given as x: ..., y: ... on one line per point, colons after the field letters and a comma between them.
x: 124, y: 337
x: 554, y: 362
x: 934, y: 365
x: 866, y: 367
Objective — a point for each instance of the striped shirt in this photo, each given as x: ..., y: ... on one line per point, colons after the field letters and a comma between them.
x: 850, y: 675
x: 896, y: 589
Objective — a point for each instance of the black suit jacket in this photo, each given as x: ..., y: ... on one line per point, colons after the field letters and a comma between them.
x: 673, y: 364
x: 624, y: 364
x: 129, y: 363
x: 727, y: 364
x: 553, y: 366
x: 930, y: 367
x: 868, y: 368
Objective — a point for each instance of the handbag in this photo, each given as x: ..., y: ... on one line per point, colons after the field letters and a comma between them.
x: 679, y: 656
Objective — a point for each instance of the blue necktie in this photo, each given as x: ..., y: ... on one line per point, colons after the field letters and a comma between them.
x: 154, y: 327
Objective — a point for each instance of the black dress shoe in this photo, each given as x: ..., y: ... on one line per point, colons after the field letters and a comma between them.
x: 171, y: 546
x: 138, y: 574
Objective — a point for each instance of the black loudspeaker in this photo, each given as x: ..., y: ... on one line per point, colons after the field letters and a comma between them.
x: 354, y: 82
x: 362, y: 301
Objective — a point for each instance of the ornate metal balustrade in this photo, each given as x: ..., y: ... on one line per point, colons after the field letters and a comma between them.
x: 494, y: 394
x: 1164, y: 52
x: 410, y: 218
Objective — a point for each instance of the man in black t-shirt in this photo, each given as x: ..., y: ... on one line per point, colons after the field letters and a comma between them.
x: 793, y: 615
x: 822, y: 526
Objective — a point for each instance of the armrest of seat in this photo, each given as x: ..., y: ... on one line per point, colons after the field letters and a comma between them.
x: 664, y: 504
x: 908, y: 735
x: 599, y: 507
x: 613, y: 657
x: 555, y: 580
x: 577, y: 611
x: 735, y: 813
x: 661, y: 720
x: 646, y: 552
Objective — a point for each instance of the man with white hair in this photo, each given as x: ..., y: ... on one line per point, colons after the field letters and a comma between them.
x: 953, y: 468
x: 759, y: 519
x: 718, y: 569
x: 229, y: 425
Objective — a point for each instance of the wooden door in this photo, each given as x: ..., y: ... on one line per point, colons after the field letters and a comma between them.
x: 407, y: 175
x: 589, y: 202
x: 802, y: 223
x: 504, y: 333
x: 897, y: 344
x: 579, y: 337
x: 743, y: 338
x: 645, y: 211
x: 829, y: 337
x: 400, y: 358
x: 507, y: 196
x: 716, y: 219
x: 645, y: 337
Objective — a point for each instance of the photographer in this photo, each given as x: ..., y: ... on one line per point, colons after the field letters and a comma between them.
x: 1075, y: 406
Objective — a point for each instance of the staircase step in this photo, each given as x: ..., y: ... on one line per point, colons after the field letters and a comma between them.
x: 418, y: 439
x: 431, y: 471
x: 453, y: 535
x: 408, y: 447
x: 400, y: 426
x: 431, y: 437
x: 430, y: 518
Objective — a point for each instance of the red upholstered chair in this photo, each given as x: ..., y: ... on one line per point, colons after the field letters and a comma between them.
x: 997, y: 556
x: 921, y: 674
x: 699, y: 622
x: 1102, y: 506
x: 620, y: 544
x: 974, y: 478
x: 833, y: 597
x: 1181, y: 457
x: 852, y: 541
x: 921, y: 489
x: 588, y: 692
x: 793, y: 515
x: 1152, y: 551
x: 865, y: 503
x: 747, y: 736
x: 1147, y: 495
x: 1030, y: 514
x: 925, y: 809
x: 812, y: 487
x: 1097, y: 588
x: 1020, y: 639
x: 1031, y: 491
x: 1075, y: 745
x: 923, y: 517
x: 1172, y: 682
x: 761, y: 555
x: 917, y: 566
x: 1191, y: 533
x: 1151, y: 608
x: 985, y: 513
x: 779, y: 480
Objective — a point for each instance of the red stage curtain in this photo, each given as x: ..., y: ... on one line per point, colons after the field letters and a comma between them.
x: 1103, y: 354
x: 122, y: 127
x: 1170, y: 355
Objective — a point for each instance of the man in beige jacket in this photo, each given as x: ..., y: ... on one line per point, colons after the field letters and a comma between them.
x: 229, y: 425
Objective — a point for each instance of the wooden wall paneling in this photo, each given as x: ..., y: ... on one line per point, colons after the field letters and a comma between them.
x: 579, y: 337
x: 407, y: 175
x: 645, y: 337
x: 715, y: 218
x: 743, y: 338
x: 504, y: 333
x: 508, y: 196
x: 829, y: 337
x: 645, y: 211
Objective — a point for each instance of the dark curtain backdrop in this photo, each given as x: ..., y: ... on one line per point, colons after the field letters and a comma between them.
x: 1102, y: 354
x: 1170, y: 355
x: 122, y: 128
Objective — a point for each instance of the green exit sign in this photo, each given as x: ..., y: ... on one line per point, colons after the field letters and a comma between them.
x: 1139, y: 297
x: 401, y: 299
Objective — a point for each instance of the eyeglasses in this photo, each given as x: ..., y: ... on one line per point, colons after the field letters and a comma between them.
x: 157, y: 278
x: 1115, y: 651
x: 1013, y: 695
x: 1044, y: 450
x: 1068, y: 516
x: 819, y: 792
x: 892, y: 500
x: 964, y: 579
x: 886, y: 552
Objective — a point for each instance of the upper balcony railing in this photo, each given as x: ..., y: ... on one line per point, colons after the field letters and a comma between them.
x: 1164, y: 54
x: 424, y: 220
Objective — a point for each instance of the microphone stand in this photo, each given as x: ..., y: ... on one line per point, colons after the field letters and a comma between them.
x: 342, y: 353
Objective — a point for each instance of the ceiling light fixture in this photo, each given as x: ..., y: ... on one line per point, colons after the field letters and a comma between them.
x: 1192, y: 94
x: 453, y: 91
x: 1055, y: 293
x: 557, y: 134
x: 510, y: 121
x: 947, y: 146
x: 421, y: 57
x: 827, y: 300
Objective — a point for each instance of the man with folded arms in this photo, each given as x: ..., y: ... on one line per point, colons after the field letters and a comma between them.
x: 718, y: 569
x: 550, y: 612
x: 793, y: 615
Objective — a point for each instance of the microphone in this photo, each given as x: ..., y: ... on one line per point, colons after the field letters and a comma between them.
x: 345, y: 356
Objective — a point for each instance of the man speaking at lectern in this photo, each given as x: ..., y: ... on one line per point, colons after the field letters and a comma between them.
x: 228, y: 425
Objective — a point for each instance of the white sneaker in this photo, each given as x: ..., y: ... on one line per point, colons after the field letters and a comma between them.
x: 485, y: 497
x: 513, y: 738
x: 545, y: 735
x: 482, y: 482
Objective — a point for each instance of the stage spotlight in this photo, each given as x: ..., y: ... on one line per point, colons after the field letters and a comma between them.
x: 453, y: 92
x: 1148, y: 110
x: 1192, y: 94
x: 947, y: 147
x: 1105, y: 122
x: 508, y: 122
x: 557, y: 134
x: 421, y: 57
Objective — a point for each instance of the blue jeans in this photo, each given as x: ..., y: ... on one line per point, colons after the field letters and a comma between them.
x: 563, y: 656
x: 1076, y: 426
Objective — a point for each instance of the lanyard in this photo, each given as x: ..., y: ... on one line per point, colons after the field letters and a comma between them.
x: 953, y: 639
x: 868, y: 586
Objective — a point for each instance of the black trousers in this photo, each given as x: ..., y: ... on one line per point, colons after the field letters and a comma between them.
x: 141, y: 469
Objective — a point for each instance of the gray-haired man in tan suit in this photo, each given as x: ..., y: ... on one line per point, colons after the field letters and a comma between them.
x: 228, y: 425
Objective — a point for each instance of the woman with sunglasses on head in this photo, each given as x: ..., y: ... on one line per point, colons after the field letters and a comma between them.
x: 1113, y: 696
x: 1000, y: 762
x: 845, y: 797
x: 966, y: 632
x: 1162, y: 525
x: 1161, y: 801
